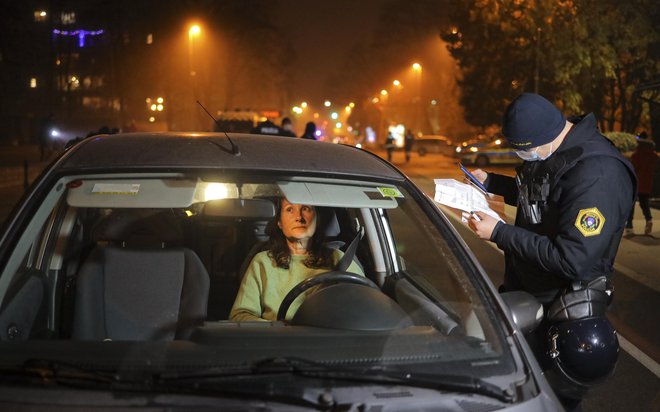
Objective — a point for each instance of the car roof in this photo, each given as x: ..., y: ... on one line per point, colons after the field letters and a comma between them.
x: 185, y: 150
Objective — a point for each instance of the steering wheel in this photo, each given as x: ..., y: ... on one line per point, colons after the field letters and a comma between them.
x: 327, y: 278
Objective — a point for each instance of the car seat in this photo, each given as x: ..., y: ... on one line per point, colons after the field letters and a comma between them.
x: 139, y: 283
x: 228, y: 230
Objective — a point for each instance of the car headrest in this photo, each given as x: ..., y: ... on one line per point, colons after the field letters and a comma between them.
x: 331, y: 228
x: 139, y: 226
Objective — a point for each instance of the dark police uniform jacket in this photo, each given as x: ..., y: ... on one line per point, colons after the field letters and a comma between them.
x: 583, y: 194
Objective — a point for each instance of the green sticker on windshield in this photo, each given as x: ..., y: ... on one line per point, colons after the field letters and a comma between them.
x: 389, y: 192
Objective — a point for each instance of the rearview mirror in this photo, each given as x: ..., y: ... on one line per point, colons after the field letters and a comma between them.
x: 240, y: 208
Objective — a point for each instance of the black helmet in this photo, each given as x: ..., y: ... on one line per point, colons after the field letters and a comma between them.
x: 583, y: 352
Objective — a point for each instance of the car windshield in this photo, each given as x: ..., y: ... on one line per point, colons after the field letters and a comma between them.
x: 110, y: 265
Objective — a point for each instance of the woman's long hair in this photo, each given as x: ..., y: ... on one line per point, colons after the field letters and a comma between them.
x: 319, y: 256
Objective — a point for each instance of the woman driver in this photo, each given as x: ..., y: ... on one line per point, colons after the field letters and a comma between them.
x: 296, y: 253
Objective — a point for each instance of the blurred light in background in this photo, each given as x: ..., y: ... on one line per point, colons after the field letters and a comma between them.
x: 398, y: 132
x: 371, y: 135
x: 194, y: 30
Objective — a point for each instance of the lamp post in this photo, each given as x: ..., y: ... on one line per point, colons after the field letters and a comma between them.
x: 417, y: 69
x: 193, y: 32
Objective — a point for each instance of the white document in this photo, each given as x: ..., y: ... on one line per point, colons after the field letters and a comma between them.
x: 465, y: 197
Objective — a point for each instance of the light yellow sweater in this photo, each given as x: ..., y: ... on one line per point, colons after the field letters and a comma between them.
x: 265, y: 285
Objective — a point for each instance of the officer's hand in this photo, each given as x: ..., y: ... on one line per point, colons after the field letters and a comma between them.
x: 480, y: 174
x: 483, y: 226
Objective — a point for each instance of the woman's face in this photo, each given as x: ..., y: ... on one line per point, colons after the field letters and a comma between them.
x: 297, y: 222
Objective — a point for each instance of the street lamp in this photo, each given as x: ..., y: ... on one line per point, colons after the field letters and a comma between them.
x: 193, y: 32
x: 417, y: 68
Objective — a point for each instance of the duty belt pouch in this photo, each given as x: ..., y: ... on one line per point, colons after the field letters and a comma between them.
x: 582, y: 300
x: 533, y: 192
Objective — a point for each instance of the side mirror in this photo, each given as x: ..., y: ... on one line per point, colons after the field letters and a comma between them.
x: 526, y: 311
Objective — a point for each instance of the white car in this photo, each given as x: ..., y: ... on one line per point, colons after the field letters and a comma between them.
x: 433, y: 144
x: 496, y: 152
x: 120, y: 265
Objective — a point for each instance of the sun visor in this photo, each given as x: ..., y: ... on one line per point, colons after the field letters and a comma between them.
x: 131, y: 193
x: 332, y: 195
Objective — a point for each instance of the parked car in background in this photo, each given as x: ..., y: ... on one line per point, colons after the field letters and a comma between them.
x: 433, y: 144
x: 477, y: 141
x: 119, y: 268
x: 483, y: 154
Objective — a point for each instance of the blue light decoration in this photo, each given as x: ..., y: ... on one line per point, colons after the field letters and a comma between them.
x: 81, y: 34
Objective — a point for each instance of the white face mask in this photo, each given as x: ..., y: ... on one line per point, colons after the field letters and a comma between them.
x: 533, y: 156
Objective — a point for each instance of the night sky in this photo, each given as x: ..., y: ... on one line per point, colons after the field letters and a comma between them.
x: 321, y: 32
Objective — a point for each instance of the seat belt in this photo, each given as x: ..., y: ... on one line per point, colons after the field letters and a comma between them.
x: 346, y: 260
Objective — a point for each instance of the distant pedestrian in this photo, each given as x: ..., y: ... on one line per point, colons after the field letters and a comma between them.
x: 310, y: 131
x: 389, y: 146
x: 408, y: 142
x: 287, y: 128
x: 645, y: 160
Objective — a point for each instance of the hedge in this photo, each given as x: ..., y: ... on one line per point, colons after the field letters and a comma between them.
x: 625, y: 142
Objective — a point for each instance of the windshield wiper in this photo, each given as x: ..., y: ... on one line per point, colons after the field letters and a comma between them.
x: 51, y: 371
x: 310, y: 369
x: 214, y: 379
x: 444, y: 382
x: 266, y: 366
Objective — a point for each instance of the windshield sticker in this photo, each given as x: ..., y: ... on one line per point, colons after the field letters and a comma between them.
x: 390, y: 192
x: 116, y: 188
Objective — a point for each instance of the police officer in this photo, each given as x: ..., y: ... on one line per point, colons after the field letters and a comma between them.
x: 267, y: 127
x: 573, y: 194
x: 287, y: 128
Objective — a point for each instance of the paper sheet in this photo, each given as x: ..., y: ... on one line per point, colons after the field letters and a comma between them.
x: 465, y: 197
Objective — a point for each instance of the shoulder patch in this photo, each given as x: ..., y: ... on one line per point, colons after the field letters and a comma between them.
x: 589, y: 222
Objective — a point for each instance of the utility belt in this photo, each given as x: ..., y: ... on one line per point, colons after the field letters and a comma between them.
x: 581, y: 300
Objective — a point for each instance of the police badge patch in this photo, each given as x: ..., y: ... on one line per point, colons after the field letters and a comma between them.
x: 589, y: 222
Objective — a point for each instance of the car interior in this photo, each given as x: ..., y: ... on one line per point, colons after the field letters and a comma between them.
x: 162, y: 258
